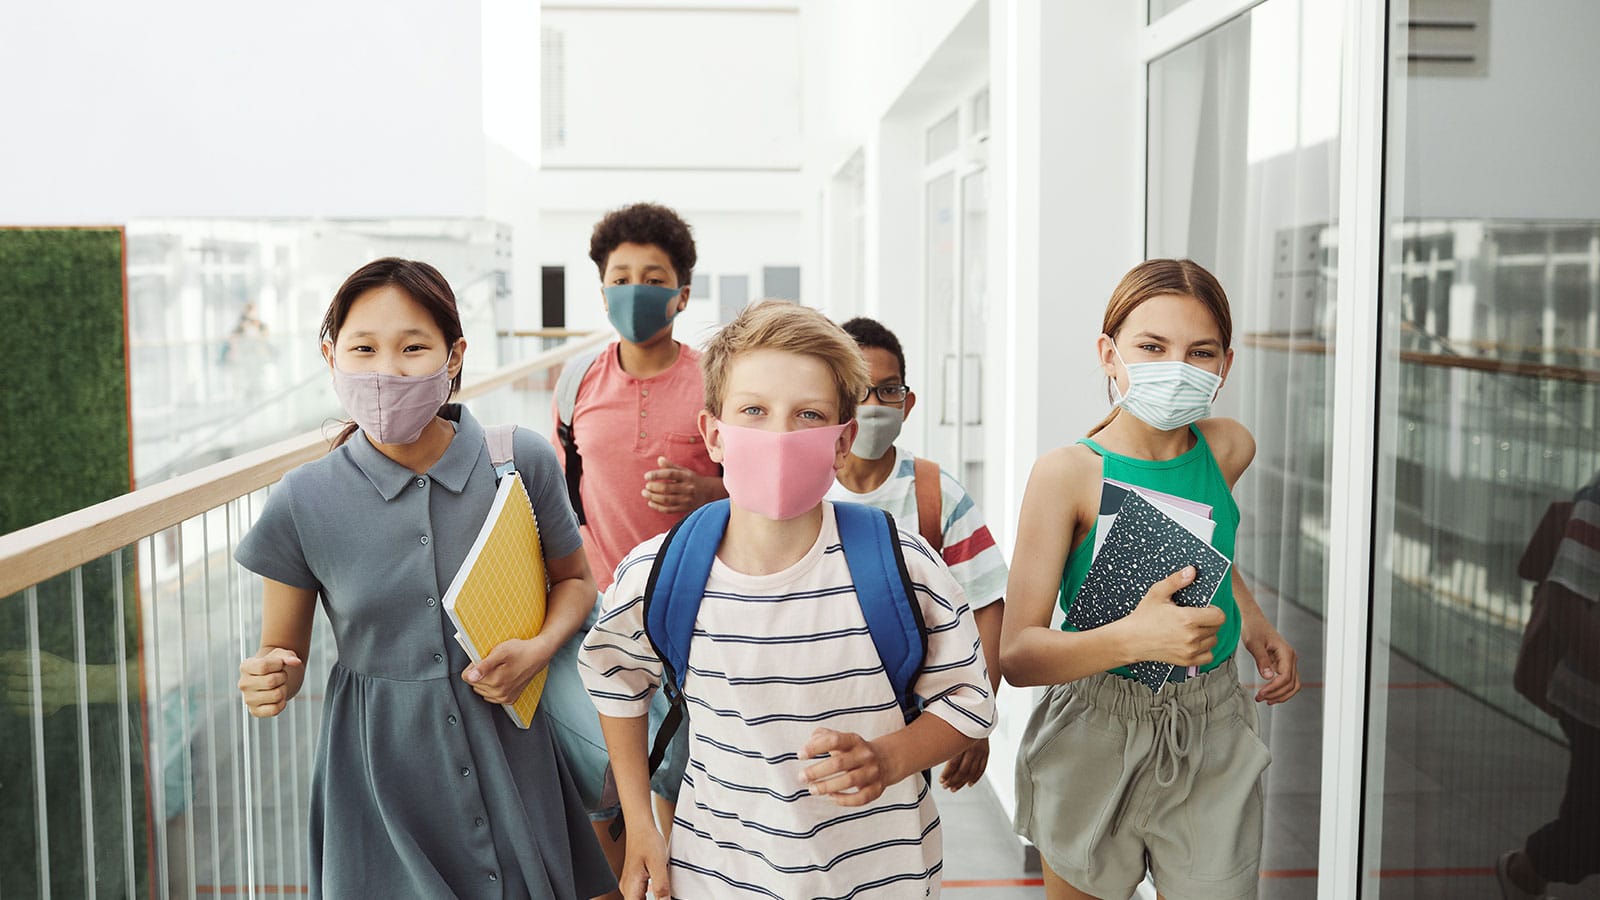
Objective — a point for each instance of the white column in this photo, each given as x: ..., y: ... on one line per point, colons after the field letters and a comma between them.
x: 1353, y: 454
x: 1067, y: 101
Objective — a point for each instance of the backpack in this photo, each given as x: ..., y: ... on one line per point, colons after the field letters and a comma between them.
x: 925, y: 485
x: 501, y: 454
x: 567, y: 384
x: 877, y: 568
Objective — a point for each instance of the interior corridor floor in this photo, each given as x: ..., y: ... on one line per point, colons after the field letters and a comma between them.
x: 1462, y: 783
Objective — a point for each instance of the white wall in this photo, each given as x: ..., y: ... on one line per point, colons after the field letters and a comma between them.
x: 694, y: 106
x: 1507, y: 145
x: 1066, y: 204
x: 860, y: 60
x: 673, y: 88
x: 192, y: 108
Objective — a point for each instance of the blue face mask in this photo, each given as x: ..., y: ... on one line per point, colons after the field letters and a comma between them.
x: 639, y: 311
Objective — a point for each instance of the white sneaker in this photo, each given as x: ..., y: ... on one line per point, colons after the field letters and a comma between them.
x: 1509, y: 889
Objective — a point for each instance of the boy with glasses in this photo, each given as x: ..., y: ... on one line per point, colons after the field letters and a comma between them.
x: 880, y: 474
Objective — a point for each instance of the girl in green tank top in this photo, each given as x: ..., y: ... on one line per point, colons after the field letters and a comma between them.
x: 1193, y: 475
x: 1165, y: 351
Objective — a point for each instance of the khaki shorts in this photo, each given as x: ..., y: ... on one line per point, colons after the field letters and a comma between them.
x: 1112, y: 779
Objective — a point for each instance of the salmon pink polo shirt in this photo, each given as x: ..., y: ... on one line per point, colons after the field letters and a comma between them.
x: 621, y: 423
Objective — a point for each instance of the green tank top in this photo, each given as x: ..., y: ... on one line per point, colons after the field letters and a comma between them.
x: 1194, y: 476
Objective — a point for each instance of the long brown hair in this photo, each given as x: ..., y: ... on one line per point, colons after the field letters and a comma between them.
x: 420, y: 281
x: 1162, y: 277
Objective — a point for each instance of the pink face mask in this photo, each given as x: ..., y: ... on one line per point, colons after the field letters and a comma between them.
x: 392, y: 409
x: 778, y: 474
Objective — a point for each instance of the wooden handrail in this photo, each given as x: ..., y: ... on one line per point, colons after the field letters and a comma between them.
x: 1442, y: 360
x: 547, y: 332
x: 45, y: 550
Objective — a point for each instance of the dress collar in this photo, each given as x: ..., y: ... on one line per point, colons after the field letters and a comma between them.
x: 451, y: 471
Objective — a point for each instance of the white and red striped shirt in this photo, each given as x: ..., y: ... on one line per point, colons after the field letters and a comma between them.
x: 1577, y: 568
x: 969, y: 549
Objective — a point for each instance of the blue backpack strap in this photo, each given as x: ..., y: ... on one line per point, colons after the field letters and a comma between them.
x: 883, y: 588
x: 672, y: 598
x: 677, y: 584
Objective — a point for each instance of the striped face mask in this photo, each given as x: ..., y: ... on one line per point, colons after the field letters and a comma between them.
x: 1166, y: 394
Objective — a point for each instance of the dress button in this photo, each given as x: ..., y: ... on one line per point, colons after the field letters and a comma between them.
x: 432, y: 602
x: 493, y: 877
x: 645, y: 392
x: 643, y: 413
x: 465, y: 771
x: 450, y: 719
x: 642, y: 434
x: 423, y: 539
x: 422, y: 482
x: 438, y: 657
x: 478, y: 821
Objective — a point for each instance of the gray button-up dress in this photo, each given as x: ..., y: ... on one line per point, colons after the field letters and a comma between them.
x: 421, y: 788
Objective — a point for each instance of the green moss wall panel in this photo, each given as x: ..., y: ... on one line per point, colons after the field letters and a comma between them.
x: 65, y: 401
x: 64, y: 446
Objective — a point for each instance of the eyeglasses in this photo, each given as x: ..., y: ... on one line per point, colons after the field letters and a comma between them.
x: 892, y: 394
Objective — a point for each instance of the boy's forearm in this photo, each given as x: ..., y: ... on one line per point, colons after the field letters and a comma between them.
x: 927, y: 741
x: 630, y: 766
x: 568, y: 605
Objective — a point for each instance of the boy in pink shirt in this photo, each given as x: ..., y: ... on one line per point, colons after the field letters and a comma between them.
x: 634, y: 437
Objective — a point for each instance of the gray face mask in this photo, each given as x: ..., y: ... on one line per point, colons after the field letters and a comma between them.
x: 876, y: 429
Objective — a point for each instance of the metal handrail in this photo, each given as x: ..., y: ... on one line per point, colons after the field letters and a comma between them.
x: 40, y: 552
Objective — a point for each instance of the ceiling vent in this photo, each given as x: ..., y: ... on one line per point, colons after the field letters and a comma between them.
x: 1448, y: 38
x: 552, y: 88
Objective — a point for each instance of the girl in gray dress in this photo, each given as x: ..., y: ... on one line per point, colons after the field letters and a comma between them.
x: 423, y: 786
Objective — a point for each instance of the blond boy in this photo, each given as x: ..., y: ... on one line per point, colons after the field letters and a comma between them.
x: 804, y: 779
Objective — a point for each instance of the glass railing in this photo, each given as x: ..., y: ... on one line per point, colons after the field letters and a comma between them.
x: 129, y: 766
x: 222, y: 312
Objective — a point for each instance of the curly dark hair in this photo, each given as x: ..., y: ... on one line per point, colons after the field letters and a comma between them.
x: 871, y: 333
x: 645, y: 223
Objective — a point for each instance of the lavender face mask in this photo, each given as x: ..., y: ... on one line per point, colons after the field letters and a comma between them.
x: 392, y: 409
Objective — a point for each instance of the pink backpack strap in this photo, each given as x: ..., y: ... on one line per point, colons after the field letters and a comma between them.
x: 501, y: 453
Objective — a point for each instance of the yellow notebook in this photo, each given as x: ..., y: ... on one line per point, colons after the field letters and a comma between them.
x: 499, y: 593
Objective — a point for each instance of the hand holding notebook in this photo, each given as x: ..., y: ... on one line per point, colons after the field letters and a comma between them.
x: 1143, y: 546
x: 500, y: 591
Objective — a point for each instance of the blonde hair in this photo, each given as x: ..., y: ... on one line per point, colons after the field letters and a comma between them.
x: 1164, y: 277
x: 787, y: 326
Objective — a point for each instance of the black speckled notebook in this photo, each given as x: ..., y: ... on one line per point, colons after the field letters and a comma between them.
x: 1143, y: 546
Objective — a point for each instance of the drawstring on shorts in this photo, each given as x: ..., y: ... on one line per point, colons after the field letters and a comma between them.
x: 1176, y: 751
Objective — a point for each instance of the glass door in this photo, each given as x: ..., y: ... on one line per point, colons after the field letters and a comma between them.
x: 955, y: 253
x: 1483, y: 737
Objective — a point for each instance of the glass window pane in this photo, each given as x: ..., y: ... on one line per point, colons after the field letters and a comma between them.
x: 1484, y: 731
x: 221, y: 312
x: 781, y: 281
x: 942, y: 139
x: 733, y: 293
x: 1159, y: 8
x: 1243, y: 178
